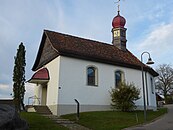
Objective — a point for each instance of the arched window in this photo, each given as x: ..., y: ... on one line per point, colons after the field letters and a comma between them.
x: 92, y: 76
x: 119, y: 77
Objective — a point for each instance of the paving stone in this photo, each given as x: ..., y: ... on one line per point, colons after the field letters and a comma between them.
x: 71, y: 125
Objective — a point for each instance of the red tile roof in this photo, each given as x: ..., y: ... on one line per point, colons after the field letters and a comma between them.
x: 42, y: 74
x: 71, y: 46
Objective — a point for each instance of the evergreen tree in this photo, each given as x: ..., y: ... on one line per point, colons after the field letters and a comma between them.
x: 19, y: 77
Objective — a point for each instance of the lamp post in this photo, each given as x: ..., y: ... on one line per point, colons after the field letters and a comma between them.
x: 149, y: 62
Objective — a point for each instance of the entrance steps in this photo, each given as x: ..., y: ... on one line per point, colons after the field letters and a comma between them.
x: 44, y: 110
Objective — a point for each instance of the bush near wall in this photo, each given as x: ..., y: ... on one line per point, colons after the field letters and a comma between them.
x: 123, y: 97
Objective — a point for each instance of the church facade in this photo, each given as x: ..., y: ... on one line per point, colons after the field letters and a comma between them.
x: 69, y: 67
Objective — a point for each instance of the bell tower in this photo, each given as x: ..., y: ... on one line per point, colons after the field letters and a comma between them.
x: 119, y: 32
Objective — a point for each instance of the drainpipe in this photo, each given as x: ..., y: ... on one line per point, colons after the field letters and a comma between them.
x: 146, y: 82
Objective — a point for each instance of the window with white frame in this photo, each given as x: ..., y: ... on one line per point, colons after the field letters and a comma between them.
x: 92, y: 76
x: 119, y: 77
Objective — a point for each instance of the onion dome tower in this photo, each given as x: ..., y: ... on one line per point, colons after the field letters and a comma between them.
x: 119, y: 32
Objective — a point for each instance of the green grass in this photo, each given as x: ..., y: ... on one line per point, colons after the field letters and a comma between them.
x: 105, y: 120
x: 112, y: 120
x: 38, y: 122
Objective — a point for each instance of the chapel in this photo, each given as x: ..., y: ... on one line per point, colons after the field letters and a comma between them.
x: 69, y: 68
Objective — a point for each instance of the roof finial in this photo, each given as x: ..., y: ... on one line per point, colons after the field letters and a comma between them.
x: 118, y: 6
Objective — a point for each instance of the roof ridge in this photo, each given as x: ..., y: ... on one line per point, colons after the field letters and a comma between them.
x: 70, y: 35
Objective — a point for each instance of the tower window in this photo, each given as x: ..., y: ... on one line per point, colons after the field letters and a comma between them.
x: 92, y: 76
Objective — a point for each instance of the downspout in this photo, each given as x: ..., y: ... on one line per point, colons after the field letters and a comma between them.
x: 146, y: 82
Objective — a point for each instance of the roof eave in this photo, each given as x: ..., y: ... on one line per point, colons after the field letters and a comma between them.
x: 36, y: 63
x: 148, y: 69
x: 38, y: 81
x: 34, y: 68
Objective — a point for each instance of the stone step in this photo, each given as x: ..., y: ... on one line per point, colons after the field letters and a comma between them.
x: 64, y: 122
x: 75, y: 127
x: 42, y: 110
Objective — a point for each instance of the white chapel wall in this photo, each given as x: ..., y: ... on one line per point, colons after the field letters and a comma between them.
x: 151, y: 91
x: 52, y: 86
x: 73, y: 82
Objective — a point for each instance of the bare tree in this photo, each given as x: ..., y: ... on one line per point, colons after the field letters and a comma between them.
x: 164, y: 82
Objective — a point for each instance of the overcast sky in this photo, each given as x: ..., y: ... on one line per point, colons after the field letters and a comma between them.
x: 149, y: 26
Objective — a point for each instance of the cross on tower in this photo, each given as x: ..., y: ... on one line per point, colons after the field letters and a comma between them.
x: 118, y: 5
x: 118, y: 2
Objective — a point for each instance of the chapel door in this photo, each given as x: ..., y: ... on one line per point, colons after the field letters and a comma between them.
x: 44, y: 95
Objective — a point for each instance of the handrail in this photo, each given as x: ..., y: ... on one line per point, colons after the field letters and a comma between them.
x: 34, y: 97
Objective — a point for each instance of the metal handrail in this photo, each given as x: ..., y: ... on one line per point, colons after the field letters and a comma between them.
x: 34, y: 97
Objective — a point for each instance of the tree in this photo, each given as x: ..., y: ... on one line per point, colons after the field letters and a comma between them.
x: 123, y: 96
x: 19, y: 77
x: 164, y: 82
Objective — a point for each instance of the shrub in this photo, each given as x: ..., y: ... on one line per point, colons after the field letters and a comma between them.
x: 168, y: 99
x: 123, y: 96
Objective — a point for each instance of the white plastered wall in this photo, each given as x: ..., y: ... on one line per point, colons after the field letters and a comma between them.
x: 151, y: 91
x: 52, y: 85
x: 73, y: 84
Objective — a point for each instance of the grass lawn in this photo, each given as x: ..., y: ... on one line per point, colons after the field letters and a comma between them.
x: 38, y: 122
x: 112, y: 120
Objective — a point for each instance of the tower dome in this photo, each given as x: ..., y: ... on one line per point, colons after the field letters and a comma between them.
x: 118, y: 21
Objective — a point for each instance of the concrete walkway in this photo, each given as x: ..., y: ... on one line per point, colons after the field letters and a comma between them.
x: 164, y: 123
